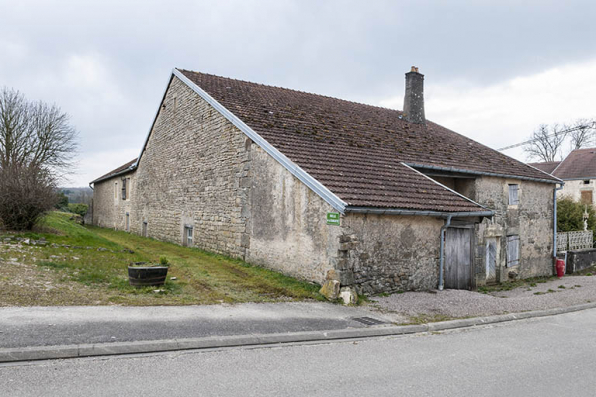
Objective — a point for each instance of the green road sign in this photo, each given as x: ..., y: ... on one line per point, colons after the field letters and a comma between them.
x: 333, y: 218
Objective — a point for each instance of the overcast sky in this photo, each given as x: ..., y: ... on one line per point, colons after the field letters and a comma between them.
x: 494, y: 70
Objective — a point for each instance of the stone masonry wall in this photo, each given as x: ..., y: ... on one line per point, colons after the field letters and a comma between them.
x: 388, y: 253
x: 109, y: 210
x: 531, y: 219
x: 288, y: 223
x: 194, y: 172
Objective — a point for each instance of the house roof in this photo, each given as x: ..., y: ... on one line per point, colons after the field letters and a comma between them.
x: 118, y: 171
x: 579, y: 164
x: 547, y: 166
x: 360, y: 152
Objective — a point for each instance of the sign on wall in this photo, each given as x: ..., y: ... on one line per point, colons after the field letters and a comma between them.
x: 333, y: 218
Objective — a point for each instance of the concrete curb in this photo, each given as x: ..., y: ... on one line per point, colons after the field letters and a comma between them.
x: 119, y: 348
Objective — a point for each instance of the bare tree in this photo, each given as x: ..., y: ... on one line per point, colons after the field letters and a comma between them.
x: 34, y: 133
x: 581, y: 133
x: 546, y: 142
x: 37, y: 146
x: 26, y: 194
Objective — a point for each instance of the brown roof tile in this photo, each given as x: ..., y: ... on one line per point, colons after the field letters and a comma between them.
x: 579, y: 164
x: 356, y: 150
x: 116, y: 171
x: 547, y: 166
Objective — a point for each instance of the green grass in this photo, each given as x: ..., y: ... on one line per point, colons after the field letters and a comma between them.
x: 509, y: 285
x: 98, y: 258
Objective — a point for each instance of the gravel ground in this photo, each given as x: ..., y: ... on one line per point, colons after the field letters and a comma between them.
x: 442, y: 305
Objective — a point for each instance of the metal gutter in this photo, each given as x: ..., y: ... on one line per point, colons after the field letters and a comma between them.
x: 579, y: 179
x: 525, y: 178
x: 399, y: 211
x: 294, y: 169
x: 555, y: 220
x: 129, y: 169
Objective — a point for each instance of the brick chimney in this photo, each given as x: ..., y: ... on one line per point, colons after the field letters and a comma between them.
x: 414, y: 99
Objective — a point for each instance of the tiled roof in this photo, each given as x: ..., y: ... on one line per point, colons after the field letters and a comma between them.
x: 580, y: 163
x: 547, y: 166
x: 357, y: 150
x: 116, y: 171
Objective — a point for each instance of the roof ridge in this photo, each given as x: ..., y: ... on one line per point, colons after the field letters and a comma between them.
x: 293, y: 90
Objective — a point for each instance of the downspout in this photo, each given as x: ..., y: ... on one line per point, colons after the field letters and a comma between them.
x: 441, y: 256
x: 555, y: 219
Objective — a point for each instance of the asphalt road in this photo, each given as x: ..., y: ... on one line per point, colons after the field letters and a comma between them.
x: 551, y: 356
x: 50, y: 326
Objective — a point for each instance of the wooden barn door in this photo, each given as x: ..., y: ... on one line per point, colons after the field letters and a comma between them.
x: 458, y: 258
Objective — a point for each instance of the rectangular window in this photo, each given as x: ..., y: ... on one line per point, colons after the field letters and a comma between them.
x: 587, y: 182
x: 512, y: 251
x: 123, y: 188
x: 513, y: 194
x: 188, y: 236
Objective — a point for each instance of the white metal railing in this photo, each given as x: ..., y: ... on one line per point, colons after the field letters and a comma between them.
x: 567, y: 241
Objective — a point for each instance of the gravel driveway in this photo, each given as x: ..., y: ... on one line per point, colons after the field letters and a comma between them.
x: 442, y: 305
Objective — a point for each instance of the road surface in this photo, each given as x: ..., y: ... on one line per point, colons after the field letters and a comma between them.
x: 550, y: 356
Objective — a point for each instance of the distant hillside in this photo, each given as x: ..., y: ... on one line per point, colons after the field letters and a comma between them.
x: 78, y: 195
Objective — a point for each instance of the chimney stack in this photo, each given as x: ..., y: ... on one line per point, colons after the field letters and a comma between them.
x: 414, y: 99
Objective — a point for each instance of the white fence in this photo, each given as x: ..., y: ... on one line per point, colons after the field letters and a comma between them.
x: 567, y: 241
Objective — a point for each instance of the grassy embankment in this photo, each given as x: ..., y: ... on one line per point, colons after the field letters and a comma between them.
x: 92, y: 269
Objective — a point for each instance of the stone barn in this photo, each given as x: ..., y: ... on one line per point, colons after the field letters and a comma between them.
x: 321, y: 188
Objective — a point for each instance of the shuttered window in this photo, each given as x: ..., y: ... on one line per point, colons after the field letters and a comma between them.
x: 513, y: 194
x: 512, y: 251
x: 586, y: 197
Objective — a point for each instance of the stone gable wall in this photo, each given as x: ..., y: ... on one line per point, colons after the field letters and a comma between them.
x: 194, y: 171
x: 109, y: 210
x: 531, y: 219
x: 288, y: 223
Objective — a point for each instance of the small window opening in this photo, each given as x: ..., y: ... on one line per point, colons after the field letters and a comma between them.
x: 587, y: 182
x: 123, y: 188
x: 188, y: 231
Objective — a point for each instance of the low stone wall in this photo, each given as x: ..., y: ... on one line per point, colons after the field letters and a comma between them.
x: 580, y: 259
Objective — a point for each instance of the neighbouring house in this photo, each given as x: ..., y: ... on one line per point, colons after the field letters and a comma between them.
x: 578, y: 171
x: 322, y: 188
